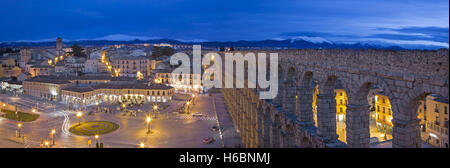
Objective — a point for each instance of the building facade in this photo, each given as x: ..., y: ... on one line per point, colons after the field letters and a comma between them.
x: 130, y: 65
x: 41, y: 70
x: 433, y: 115
x: 44, y: 88
x: 183, y: 83
x: 125, y: 93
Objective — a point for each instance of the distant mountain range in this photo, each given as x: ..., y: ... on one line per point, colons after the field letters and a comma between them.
x: 297, y: 43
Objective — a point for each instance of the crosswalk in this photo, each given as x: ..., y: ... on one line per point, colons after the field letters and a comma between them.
x: 195, y: 118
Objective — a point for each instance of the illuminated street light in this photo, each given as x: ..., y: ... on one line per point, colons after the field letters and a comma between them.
x: 53, y: 132
x: 79, y: 114
x: 96, y: 137
x: 19, y: 126
x: 141, y: 145
x: 34, y: 110
x: 187, y: 107
x: 46, y: 143
x: 148, y: 119
x: 155, y: 107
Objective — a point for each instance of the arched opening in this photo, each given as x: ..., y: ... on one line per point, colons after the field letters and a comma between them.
x: 369, y: 117
x: 289, y: 137
x: 341, y: 108
x: 381, y: 115
x: 275, y: 138
x: 306, y: 143
x: 278, y: 101
x: 314, y: 103
x: 290, y: 92
x: 266, y: 127
x: 305, y: 99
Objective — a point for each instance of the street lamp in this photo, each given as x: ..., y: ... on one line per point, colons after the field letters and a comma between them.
x: 148, y: 119
x: 79, y: 114
x: 155, y: 110
x: 141, y: 145
x: 96, y: 137
x: 53, y: 132
x: 46, y: 143
x: 19, y: 125
x: 187, y: 107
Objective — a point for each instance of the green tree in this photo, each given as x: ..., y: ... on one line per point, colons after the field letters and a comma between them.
x: 162, y: 51
x: 77, y: 51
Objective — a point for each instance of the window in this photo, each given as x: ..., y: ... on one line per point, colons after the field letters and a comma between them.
x: 378, y: 108
x: 436, y: 108
x: 446, y: 110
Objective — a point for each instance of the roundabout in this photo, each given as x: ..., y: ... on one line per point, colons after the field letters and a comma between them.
x: 91, y: 128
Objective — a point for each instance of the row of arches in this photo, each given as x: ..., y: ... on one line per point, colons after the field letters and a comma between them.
x: 308, y: 113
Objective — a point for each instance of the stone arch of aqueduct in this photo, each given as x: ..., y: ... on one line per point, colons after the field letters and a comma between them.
x: 287, y: 121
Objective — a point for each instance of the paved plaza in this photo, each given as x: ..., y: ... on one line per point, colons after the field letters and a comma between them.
x: 169, y: 128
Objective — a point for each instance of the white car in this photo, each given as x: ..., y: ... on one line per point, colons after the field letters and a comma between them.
x: 197, y: 114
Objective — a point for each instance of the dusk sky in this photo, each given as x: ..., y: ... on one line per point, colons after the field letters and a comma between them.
x: 400, y: 22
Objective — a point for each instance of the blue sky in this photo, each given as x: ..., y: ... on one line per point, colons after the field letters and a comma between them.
x: 412, y: 22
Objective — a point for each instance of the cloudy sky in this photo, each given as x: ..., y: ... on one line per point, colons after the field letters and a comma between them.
x: 399, y: 22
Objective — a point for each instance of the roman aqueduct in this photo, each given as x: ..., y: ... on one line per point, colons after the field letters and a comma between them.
x: 287, y: 121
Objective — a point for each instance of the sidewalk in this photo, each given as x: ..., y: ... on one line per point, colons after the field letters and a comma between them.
x: 231, y: 138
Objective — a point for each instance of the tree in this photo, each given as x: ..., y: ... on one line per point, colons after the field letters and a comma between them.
x: 162, y: 51
x: 77, y: 51
x: 1, y: 71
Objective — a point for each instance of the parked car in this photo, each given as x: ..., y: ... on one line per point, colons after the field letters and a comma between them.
x: 215, y: 128
x: 197, y: 114
x: 208, y: 140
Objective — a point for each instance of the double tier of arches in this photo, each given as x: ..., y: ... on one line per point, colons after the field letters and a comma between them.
x: 304, y: 113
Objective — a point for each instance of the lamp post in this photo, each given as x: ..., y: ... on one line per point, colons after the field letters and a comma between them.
x: 155, y: 109
x: 79, y: 114
x: 96, y: 137
x: 46, y: 144
x: 193, y: 99
x: 53, y: 132
x: 187, y: 106
x: 123, y: 107
x: 19, y: 126
x: 96, y: 105
x: 148, y: 119
x: 142, y: 145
